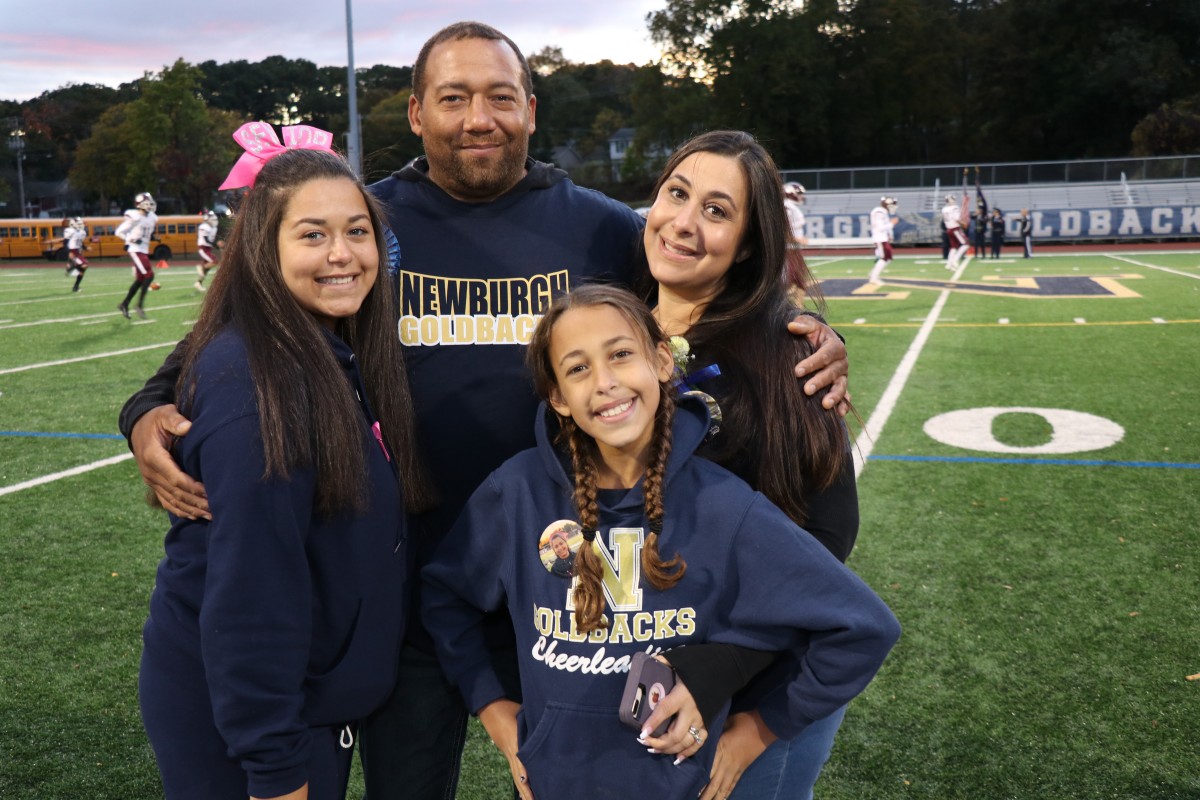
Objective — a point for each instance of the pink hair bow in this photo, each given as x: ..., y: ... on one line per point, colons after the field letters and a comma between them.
x: 261, y: 144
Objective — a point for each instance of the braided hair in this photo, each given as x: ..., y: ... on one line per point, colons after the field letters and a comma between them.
x: 585, y: 455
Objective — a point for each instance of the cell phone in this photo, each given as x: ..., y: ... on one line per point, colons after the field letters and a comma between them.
x: 649, y: 681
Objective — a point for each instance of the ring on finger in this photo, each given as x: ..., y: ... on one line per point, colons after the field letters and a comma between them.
x: 695, y: 732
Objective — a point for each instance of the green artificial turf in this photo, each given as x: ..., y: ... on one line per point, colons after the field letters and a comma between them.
x: 1049, y: 601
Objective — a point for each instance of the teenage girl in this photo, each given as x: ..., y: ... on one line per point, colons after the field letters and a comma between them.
x: 277, y: 625
x: 672, y: 549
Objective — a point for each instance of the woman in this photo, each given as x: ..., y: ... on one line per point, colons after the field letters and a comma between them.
x: 277, y: 624
x: 715, y: 243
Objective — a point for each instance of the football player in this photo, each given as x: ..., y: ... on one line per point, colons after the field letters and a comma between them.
x: 138, y: 229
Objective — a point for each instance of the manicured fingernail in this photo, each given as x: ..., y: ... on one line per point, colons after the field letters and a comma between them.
x: 651, y: 750
x: 678, y: 761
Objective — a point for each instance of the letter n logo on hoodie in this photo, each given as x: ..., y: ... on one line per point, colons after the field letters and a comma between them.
x: 622, y: 561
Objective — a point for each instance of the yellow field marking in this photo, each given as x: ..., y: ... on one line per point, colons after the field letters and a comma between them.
x: 1107, y: 282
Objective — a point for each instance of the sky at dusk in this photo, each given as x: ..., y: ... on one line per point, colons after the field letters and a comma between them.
x: 81, y: 41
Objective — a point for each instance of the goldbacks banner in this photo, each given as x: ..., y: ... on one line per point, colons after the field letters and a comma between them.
x: 1145, y: 222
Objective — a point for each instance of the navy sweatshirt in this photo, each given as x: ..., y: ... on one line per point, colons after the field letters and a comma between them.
x: 295, y: 620
x: 739, y: 549
x: 481, y: 274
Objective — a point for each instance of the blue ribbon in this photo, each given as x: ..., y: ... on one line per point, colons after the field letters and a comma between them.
x: 692, y: 380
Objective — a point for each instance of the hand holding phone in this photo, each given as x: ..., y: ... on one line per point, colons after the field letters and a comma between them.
x: 649, y: 681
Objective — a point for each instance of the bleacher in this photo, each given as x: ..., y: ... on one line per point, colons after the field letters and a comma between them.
x: 1014, y: 198
x: 1010, y: 186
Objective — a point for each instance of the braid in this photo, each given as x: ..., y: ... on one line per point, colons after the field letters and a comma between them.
x: 661, y: 574
x: 589, y: 590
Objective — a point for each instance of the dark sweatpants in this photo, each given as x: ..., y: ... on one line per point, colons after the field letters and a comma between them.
x: 191, y: 755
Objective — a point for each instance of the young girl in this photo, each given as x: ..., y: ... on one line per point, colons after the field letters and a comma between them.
x: 672, y: 549
x: 277, y: 624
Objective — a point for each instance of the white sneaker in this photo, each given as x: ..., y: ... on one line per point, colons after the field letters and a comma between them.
x: 198, y: 286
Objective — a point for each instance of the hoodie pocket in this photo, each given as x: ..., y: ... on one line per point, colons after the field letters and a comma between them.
x: 585, y: 752
x: 365, y: 674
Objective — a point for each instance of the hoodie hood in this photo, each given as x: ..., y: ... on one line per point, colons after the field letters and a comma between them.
x: 688, y: 430
x: 538, y: 175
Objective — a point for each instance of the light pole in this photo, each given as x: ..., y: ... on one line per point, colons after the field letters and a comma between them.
x: 16, y: 143
x: 354, y: 145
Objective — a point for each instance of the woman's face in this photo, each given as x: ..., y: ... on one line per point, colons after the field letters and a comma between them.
x: 327, y: 250
x: 694, y: 230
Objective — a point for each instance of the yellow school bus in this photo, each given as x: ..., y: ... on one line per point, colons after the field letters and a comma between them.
x: 34, y: 238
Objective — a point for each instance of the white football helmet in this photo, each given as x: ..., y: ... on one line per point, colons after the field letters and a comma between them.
x: 793, y: 190
x: 889, y: 203
x: 77, y: 224
x: 208, y: 216
x: 145, y: 202
x: 951, y: 198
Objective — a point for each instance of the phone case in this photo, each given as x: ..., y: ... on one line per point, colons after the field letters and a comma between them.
x: 649, y: 681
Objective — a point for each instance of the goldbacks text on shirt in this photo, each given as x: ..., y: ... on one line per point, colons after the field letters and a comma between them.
x: 436, y: 310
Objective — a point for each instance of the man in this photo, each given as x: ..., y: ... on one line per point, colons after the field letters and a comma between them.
x: 952, y: 215
x: 883, y: 219
x: 138, y: 229
x: 793, y: 200
x: 1026, y: 231
x: 997, y: 224
x: 76, y: 235
x: 486, y: 236
x: 206, y: 240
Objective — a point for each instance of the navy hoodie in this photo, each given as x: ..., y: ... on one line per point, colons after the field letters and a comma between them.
x: 294, y: 620
x: 740, y: 550
x: 473, y: 279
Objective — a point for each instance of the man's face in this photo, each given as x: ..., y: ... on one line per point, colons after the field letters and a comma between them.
x: 561, y: 548
x: 474, y: 118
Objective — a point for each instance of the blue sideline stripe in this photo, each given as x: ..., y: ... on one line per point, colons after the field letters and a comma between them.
x: 63, y: 435
x: 1070, y: 462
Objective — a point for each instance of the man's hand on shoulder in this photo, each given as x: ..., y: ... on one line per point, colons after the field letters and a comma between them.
x: 151, y: 440
x: 827, y: 366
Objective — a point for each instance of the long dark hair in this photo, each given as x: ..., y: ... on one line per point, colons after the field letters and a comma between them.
x: 308, y: 414
x: 779, y: 439
x: 585, y: 455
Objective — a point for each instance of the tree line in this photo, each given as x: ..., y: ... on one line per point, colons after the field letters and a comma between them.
x: 823, y: 83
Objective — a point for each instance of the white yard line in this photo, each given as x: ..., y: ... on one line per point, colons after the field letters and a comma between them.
x: 87, y: 358
x: 1153, y: 266
x: 865, y: 442
x: 66, y: 297
x: 151, y: 310
x: 16, y: 487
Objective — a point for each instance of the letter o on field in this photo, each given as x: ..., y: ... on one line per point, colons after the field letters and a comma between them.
x: 1072, y: 431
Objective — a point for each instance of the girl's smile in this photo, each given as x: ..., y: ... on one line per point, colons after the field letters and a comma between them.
x: 608, y: 381
x: 327, y: 249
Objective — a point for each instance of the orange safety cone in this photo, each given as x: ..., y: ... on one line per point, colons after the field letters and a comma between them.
x: 162, y: 264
